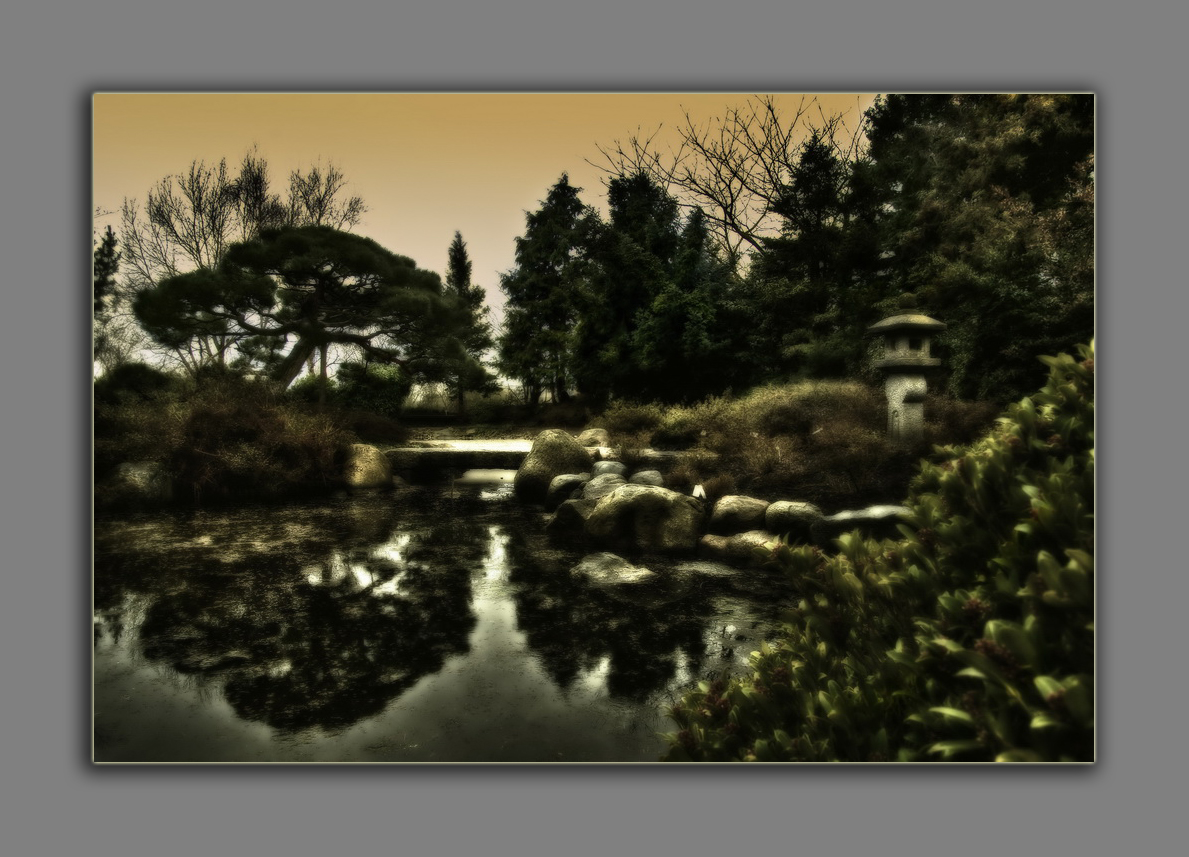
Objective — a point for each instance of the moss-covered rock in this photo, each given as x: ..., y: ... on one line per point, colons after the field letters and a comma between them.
x: 553, y: 453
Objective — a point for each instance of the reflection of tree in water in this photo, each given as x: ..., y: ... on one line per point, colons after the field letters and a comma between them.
x: 326, y: 637
x: 573, y: 627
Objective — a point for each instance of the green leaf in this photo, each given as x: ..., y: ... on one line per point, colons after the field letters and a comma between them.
x: 953, y: 714
x: 1044, y: 720
x: 952, y: 748
x: 1047, y: 685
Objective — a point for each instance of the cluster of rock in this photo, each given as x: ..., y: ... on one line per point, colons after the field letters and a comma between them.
x: 600, y: 503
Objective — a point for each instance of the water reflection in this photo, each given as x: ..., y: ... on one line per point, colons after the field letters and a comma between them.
x: 320, y: 639
x: 315, y: 619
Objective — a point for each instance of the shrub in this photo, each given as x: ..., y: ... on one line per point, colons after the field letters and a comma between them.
x: 372, y: 387
x: 504, y: 406
x: 135, y: 382
x: 952, y: 421
x: 623, y: 418
x: 970, y: 639
x: 233, y: 439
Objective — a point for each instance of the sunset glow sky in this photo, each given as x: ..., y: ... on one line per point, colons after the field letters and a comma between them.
x: 425, y: 164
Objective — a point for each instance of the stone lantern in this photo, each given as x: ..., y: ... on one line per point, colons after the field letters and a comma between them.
x: 905, y: 363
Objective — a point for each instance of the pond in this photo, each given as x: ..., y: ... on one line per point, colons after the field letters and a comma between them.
x: 427, y: 625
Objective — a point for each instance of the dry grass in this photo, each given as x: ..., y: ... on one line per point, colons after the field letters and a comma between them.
x: 823, y: 441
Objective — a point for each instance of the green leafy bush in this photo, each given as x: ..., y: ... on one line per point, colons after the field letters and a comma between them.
x: 971, y: 639
x: 372, y: 387
x: 135, y: 382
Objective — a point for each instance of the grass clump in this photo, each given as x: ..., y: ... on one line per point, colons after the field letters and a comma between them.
x: 224, y: 438
x: 822, y: 441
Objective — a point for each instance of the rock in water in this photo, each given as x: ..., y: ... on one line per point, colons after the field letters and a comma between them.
x: 594, y: 437
x: 606, y: 570
x: 792, y: 518
x: 554, y: 452
x: 735, y: 513
x: 646, y: 518
x: 569, y: 521
x: 647, y: 477
x: 601, y: 486
x: 562, y: 487
x: 616, y: 467
x: 874, y: 522
x: 367, y: 467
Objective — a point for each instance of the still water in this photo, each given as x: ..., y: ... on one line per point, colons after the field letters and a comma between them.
x: 428, y: 625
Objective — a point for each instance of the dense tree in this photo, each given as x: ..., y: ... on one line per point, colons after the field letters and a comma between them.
x: 687, y: 342
x: 542, y: 292
x: 307, y: 289
x: 476, y: 338
x: 987, y: 223
x: 190, y: 219
x: 652, y: 317
x: 105, y: 266
x: 634, y: 255
x: 813, y: 286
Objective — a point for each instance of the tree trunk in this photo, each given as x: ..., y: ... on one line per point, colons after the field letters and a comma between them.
x: 322, y: 381
x: 290, y: 367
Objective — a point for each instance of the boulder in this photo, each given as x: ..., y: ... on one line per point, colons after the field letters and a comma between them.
x: 594, y: 437
x: 367, y: 467
x: 705, y: 572
x: 601, y: 486
x: 569, y: 521
x: 735, y: 513
x: 875, y: 522
x: 606, y: 570
x: 742, y: 550
x: 553, y: 453
x: 646, y: 518
x: 648, y: 477
x: 562, y: 488
x: 616, y: 467
x: 792, y: 518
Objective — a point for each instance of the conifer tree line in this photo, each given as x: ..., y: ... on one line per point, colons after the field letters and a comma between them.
x: 762, y: 251
x: 759, y: 249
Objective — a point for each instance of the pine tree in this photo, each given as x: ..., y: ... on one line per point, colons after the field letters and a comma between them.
x: 987, y: 224
x: 476, y: 336
x: 542, y: 293
x: 106, y: 266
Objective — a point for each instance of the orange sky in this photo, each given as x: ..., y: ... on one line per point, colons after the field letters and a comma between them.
x: 425, y: 164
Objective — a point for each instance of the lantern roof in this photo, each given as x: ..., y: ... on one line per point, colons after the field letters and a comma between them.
x: 909, y: 321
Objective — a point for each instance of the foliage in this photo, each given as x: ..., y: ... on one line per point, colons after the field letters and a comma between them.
x: 971, y: 639
x: 318, y: 286
x: 372, y: 387
x: 986, y: 219
x: 542, y: 293
x: 976, y: 209
x: 134, y: 382
x: 105, y: 267
x: 475, y: 336
x: 222, y: 439
x: 190, y: 220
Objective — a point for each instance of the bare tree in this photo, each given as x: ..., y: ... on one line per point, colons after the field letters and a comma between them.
x: 314, y: 199
x: 190, y: 219
x: 735, y: 168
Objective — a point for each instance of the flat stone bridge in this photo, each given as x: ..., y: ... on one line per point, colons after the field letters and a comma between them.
x: 433, y: 457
